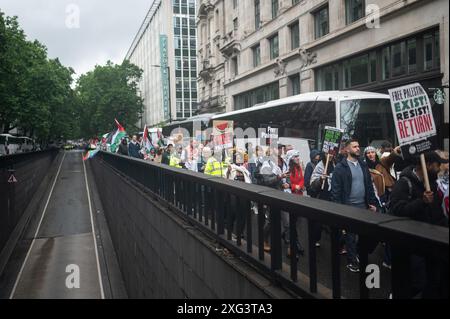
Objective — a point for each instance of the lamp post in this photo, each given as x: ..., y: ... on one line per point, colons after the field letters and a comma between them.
x: 170, y: 91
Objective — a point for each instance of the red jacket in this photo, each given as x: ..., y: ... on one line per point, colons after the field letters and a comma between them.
x: 297, y: 180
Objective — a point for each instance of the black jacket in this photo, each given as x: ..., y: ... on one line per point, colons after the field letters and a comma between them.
x: 407, y: 201
x: 341, y: 184
x: 123, y: 149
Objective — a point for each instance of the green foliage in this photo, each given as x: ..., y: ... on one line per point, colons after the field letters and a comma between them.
x: 109, y: 92
x: 36, y: 94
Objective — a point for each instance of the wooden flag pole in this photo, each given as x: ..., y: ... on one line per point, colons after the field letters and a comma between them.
x: 425, y: 173
x: 326, y: 170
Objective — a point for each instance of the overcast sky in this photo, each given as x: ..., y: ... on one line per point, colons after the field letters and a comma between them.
x: 104, y: 30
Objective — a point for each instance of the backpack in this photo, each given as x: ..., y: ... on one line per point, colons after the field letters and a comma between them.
x: 410, y: 192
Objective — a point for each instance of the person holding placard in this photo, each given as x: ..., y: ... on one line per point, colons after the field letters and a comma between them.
x: 410, y: 198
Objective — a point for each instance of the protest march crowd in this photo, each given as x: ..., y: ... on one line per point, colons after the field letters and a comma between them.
x: 376, y: 180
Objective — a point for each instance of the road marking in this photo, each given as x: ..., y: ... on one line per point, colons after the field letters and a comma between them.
x: 93, y: 231
x: 37, y: 230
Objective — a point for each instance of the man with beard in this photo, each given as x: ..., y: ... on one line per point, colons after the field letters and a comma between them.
x: 409, y: 198
x: 352, y: 185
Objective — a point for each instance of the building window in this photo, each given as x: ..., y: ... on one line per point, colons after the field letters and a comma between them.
x: 274, y: 47
x: 256, y: 55
x: 295, y: 84
x: 412, y: 56
x: 257, y: 96
x: 354, y: 10
x: 393, y: 61
x: 257, y: 14
x: 295, y: 36
x: 274, y: 9
x: 321, y: 22
x: 398, y: 52
x: 431, y: 51
x: 294, y: 2
x: 356, y: 71
x: 235, y: 4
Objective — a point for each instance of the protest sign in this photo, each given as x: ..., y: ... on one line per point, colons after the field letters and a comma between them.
x: 332, y: 140
x: 268, y: 135
x: 413, y: 119
x: 223, y: 134
x: 331, y: 143
x: 414, y: 122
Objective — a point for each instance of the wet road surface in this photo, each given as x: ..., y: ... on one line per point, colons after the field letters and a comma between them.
x: 62, y: 260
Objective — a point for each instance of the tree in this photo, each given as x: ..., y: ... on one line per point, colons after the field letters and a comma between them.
x: 109, y: 92
x: 35, y: 92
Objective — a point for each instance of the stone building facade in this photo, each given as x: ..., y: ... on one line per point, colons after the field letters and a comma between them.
x: 253, y: 51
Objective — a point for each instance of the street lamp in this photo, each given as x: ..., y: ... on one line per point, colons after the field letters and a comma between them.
x: 170, y: 91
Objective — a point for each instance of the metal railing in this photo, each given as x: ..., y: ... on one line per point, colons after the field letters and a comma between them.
x: 207, y: 202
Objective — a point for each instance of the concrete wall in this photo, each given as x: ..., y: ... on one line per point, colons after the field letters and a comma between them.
x: 161, y: 256
x: 30, y: 171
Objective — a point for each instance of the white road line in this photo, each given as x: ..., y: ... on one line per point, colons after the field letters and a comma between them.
x: 93, y: 232
x: 37, y: 230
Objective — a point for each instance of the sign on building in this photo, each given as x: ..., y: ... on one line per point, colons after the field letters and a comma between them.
x: 164, y: 53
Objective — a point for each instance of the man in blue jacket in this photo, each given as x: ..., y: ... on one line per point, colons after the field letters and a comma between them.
x: 352, y: 185
x: 134, y: 148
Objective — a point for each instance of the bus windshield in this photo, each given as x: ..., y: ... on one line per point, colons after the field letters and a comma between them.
x: 368, y: 120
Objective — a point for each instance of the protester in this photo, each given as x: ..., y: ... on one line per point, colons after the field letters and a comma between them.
x: 215, y: 166
x: 315, y: 158
x: 134, y: 148
x: 380, y: 170
x: 411, y: 199
x: 123, y: 147
x: 167, y: 154
x: 190, y: 156
x: 351, y: 185
x: 297, y: 184
x: 158, y: 155
x: 320, y: 188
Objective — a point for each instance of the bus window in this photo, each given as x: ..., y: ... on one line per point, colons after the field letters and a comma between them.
x: 367, y: 120
x: 307, y: 120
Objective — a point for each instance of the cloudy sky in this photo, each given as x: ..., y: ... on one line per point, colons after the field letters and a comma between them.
x: 102, y: 31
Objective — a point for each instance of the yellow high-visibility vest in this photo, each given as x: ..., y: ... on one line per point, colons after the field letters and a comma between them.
x: 215, y: 168
x: 175, y: 161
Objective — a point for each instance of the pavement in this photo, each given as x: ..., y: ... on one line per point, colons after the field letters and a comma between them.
x: 61, y: 255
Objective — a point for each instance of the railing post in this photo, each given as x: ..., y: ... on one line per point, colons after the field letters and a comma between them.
x: 401, y: 272
x: 292, y: 234
x: 312, y: 257
x: 335, y: 263
x: 275, y: 236
x: 363, y: 262
x: 261, y: 221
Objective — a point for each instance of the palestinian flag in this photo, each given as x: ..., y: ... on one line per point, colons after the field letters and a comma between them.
x: 117, y: 137
x: 90, y: 154
x: 147, y: 141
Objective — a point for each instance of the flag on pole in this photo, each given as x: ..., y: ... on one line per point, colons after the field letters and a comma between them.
x: 90, y: 154
x: 147, y: 141
x: 117, y: 136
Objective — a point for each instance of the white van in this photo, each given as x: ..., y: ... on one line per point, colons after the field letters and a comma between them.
x: 9, y: 144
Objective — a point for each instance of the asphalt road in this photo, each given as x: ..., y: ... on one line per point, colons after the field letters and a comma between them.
x: 62, y: 259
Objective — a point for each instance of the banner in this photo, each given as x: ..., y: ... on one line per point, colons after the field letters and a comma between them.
x: 223, y: 134
x: 332, y: 140
x: 413, y: 118
x: 164, y: 54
